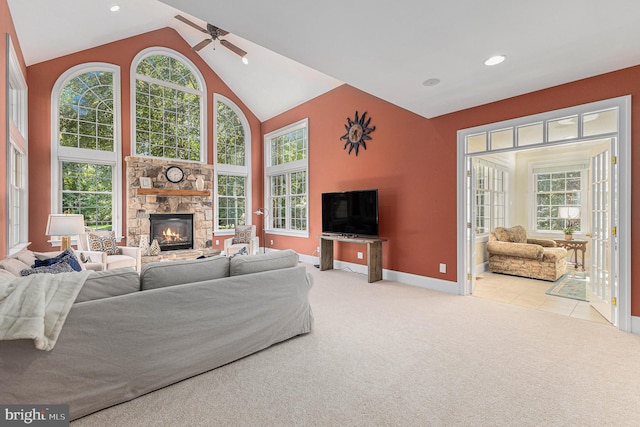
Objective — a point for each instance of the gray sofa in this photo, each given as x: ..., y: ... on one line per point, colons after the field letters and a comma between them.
x: 127, y: 335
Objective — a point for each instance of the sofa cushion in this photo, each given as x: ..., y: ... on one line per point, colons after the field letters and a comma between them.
x: 169, y: 273
x: 14, y: 266
x: 26, y: 256
x: 120, y: 261
x: 262, y: 262
x: 515, y: 234
x: 109, y: 283
x: 515, y: 250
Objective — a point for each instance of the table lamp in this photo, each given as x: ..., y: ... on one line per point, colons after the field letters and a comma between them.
x: 65, y: 226
x: 570, y: 213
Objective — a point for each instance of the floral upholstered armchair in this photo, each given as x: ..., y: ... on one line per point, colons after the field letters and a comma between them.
x: 511, y: 252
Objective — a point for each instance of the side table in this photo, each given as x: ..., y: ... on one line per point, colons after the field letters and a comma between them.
x: 575, y: 245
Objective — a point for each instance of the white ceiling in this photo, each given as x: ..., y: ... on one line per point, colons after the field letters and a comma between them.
x: 384, y: 48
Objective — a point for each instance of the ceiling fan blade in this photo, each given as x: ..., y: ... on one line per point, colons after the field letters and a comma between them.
x: 202, y: 44
x: 233, y: 48
x: 194, y: 25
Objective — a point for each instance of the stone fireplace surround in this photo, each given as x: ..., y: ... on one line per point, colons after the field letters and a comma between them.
x: 167, y: 197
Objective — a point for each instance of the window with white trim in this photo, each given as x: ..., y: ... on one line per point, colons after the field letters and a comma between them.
x: 86, y: 165
x: 491, y: 194
x: 17, y: 160
x: 168, y: 99
x: 232, y: 165
x: 559, y: 194
x: 286, y: 179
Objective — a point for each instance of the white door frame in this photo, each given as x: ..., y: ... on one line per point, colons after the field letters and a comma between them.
x: 622, y: 222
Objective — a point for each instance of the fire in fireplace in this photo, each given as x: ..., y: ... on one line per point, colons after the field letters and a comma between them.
x: 172, y: 231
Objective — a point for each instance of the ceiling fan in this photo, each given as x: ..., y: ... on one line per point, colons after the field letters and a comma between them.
x: 215, y: 33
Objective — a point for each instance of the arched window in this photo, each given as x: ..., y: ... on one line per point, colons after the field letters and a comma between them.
x: 232, y: 165
x: 168, y: 100
x: 85, y: 160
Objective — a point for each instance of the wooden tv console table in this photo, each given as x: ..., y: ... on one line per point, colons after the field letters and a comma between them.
x: 374, y: 253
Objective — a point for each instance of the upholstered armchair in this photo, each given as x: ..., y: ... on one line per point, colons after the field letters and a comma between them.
x: 100, y: 247
x: 245, y: 237
x: 511, y: 252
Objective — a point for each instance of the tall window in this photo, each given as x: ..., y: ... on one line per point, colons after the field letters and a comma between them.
x: 491, y: 191
x: 558, y: 187
x: 16, y: 162
x: 169, y: 107
x: 286, y: 179
x: 233, y: 165
x: 86, y: 145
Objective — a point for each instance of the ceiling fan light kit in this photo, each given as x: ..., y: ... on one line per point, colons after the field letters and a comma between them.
x: 214, y: 33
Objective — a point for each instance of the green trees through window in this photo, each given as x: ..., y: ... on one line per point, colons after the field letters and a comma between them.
x: 554, y: 190
x: 86, y: 148
x: 168, y: 110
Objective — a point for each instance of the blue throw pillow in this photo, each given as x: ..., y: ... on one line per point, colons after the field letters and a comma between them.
x: 67, y: 256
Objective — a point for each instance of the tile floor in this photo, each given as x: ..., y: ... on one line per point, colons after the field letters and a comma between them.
x: 531, y: 293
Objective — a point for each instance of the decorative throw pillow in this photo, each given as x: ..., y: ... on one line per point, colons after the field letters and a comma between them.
x: 14, y: 266
x: 243, y: 234
x: 501, y: 233
x: 67, y: 256
x: 103, y: 243
x: 242, y: 251
x: 517, y: 234
x: 60, y: 267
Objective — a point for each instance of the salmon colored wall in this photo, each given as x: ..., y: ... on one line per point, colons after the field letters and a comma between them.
x: 6, y: 27
x: 403, y: 161
x: 42, y: 77
x: 412, y: 161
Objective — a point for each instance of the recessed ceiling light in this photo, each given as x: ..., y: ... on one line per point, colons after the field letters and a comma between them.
x: 245, y: 61
x: 114, y: 8
x: 495, y: 60
x: 430, y: 82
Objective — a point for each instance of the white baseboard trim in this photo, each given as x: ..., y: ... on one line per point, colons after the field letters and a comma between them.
x: 397, y: 276
x: 635, y: 325
x: 481, y: 268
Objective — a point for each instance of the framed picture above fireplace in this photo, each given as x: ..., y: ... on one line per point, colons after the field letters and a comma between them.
x: 145, y: 182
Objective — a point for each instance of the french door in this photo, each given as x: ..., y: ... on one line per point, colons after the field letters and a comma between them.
x: 603, y: 288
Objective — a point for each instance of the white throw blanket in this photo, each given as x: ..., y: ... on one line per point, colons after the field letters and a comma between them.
x: 36, y: 306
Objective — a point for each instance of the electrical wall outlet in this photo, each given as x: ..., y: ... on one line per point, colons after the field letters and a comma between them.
x: 217, y: 242
x: 271, y: 243
x: 318, y: 249
x: 443, y: 268
x: 360, y: 255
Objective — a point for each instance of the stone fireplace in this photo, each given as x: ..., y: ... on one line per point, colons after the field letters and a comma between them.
x: 164, y: 198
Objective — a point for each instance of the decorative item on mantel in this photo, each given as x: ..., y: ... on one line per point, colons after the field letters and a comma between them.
x: 144, y: 245
x: 358, y: 131
x: 154, y: 249
x: 199, y: 183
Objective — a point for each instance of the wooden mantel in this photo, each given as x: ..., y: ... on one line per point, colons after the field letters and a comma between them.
x: 172, y: 192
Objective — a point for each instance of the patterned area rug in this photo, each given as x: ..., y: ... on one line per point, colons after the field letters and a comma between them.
x: 570, y: 286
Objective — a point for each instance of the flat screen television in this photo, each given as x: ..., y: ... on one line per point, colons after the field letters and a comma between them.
x: 350, y: 213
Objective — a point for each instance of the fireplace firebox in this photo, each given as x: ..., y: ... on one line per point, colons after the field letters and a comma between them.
x: 172, y: 231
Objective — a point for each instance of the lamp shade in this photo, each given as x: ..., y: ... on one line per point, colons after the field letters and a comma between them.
x: 65, y: 225
x: 569, y: 212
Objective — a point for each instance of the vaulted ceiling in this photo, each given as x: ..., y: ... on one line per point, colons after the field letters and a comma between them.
x: 299, y: 49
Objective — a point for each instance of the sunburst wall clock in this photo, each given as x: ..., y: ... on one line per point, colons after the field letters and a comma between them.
x: 358, y: 131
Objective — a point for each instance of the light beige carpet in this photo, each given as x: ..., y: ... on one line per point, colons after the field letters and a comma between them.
x: 387, y: 354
